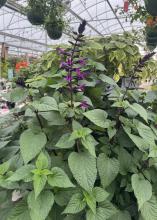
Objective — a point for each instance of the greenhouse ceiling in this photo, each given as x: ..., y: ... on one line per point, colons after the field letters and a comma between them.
x: 22, y: 37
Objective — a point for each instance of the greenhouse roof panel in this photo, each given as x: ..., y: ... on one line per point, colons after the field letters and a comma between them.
x: 101, y: 17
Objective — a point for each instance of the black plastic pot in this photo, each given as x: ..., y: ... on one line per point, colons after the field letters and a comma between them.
x: 151, y: 7
x: 36, y: 16
x: 54, y: 30
x: 2, y: 3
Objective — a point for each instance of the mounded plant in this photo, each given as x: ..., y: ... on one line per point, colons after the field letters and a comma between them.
x: 81, y: 148
x: 2, y: 3
x: 151, y: 7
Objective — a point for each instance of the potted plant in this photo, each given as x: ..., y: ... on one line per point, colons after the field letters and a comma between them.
x: 151, y: 7
x: 54, y: 29
x: 36, y: 12
x: 2, y: 3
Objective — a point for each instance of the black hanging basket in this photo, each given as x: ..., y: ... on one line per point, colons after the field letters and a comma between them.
x: 36, y: 16
x: 2, y: 3
x: 54, y: 30
x: 151, y: 7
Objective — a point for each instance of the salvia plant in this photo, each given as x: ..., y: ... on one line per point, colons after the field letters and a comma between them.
x: 81, y: 147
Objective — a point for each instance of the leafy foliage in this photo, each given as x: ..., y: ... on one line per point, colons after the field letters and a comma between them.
x: 81, y: 147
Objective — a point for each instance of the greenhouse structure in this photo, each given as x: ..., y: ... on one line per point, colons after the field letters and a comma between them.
x: 78, y: 109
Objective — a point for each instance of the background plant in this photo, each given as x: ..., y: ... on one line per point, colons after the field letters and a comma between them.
x: 81, y: 147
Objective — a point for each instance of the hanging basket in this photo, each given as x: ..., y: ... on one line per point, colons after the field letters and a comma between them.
x: 151, y: 32
x: 54, y: 30
x: 151, y: 7
x: 2, y: 3
x: 36, y: 16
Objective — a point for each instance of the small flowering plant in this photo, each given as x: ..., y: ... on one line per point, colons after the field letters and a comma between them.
x: 81, y: 147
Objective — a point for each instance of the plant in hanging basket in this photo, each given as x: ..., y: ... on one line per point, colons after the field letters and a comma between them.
x: 151, y: 7
x: 54, y: 29
x: 2, y: 3
x: 36, y: 15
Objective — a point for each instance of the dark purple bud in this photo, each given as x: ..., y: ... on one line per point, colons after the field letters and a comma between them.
x: 82, y: 26
x: 68, y: 78
x: 80, y: 88
x: 84, y: 105
x: 80, y: 75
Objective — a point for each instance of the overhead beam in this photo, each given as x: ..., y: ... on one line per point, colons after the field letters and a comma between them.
x: 115, y: 14
x: 22, y: 39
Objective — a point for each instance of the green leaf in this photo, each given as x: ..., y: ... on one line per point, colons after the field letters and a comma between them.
x: 107, y: 80
x: 140, y: 110
x: 122, y: 215
x: 4, y: 167
x: 102, y: 213
x: 65, y: 142
x: 22, y: 173
x: 76, y: 204
x: 100, y: 194
x: 142, y: 189
x: 91, y: 201
x: 3, y: 144
x: 50, y: 102
x: 80, y: 133
x: 42, y: 161
x: 18, y: 95
x: 125, y: 160
x: 20, y: 212
x: 89, y: 143
x: 59, y: 179
x: 83, y: 168
x: 149, y: 209
x: 108, y: 169
x: 40, y: 207
x: 145, y: 132
x: 53, y: 118
x: 31, y: 144
x: 39, y: 182
x: 98, y: 117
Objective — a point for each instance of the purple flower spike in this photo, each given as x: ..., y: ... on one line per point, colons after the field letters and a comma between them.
x: 69, y: 62
x: 84, y: 105
x: 61, y: 50
x: 80, y: 75
x: 81, y: 88
x: 69, y: 78
x: 82, y: 62
x: 63, y: 65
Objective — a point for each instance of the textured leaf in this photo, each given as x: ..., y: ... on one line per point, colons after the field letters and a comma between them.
x: 125, y: 160
x: 76, y: 204
x: 64, y: 142
x: 149, y: 209
x: 108, y: 169
x: 21, y: 173
x: 83, y: 168
x: 53, y: 117
x: 102, y: 213
x: 140, y: 110
x: 20, y: 212
x: 40, y: 207
x: 49, y: 103
x: 89, y: 143
x: 142, y: 189
x: 31, y: 144
x: 4, y: 167
x: 90, y: 200
x: 59, y: 179
x: 39, y: 182
x: 42, y: 161
x: 107, y: 80
x: 98, y: 117
x: 100, y: 194
x: 121, y: 216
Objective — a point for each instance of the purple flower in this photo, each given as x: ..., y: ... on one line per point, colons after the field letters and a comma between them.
x: 69, y: 62
x: 61, y: 50
x: 84, y: 105
x: 63, y: 65
x: 80, y: 75
x: 80, y: 88
x: 82, y: 62
x: 68, y: 78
